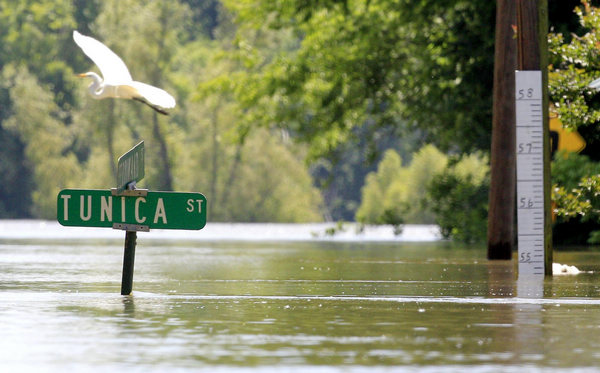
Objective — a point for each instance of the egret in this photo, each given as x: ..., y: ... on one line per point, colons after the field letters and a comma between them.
x: 117, y: 82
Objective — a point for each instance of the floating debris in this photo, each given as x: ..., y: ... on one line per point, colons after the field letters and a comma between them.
x: 564, y: 269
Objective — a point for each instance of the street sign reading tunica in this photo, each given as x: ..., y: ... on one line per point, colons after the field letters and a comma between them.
x: 130, y: 209
x: 155, y: 210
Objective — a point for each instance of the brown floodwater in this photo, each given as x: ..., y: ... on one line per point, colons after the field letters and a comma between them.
x: 275, y: 305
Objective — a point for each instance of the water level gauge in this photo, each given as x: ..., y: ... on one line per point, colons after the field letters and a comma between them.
x: 530, y: 172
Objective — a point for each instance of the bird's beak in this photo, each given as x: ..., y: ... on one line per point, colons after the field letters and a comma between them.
x: 82, y: 75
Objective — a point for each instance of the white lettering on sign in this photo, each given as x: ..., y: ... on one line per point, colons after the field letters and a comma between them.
x: 98, y: 208
x: 137, y: 210
x: 82, y: 214
x: 106, y: 208
x: 190, y: 203
x: 160, y: 212
x: 65, y: 198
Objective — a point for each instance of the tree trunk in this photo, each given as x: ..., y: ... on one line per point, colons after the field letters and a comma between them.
x: 110, y: 134
x: 215, y: 154
x: 232, y: 175
x: 165, y: 178
x: 501, y: 236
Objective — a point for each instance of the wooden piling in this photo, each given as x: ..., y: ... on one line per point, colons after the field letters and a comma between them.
x: 501, y: 214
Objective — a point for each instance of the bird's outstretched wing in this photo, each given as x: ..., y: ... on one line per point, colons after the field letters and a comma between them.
x: 114, y: 71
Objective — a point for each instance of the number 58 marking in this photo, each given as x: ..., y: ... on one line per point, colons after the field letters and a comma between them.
x: 525, y: 93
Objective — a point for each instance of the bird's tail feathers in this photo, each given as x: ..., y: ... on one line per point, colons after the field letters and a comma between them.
x: 158, y: 109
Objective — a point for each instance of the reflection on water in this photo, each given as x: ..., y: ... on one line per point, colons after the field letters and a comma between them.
x: 333, y: 306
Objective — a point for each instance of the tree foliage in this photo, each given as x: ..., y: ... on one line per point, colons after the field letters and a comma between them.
x: 574, y: 66
x: 35, y: 121
x: 396, y: 192
x: 458, y: 198
x: 433, y: 188
x: 66, y: 139
x: 32, y: 106
x: 260, y: 85
x: 400, y: 64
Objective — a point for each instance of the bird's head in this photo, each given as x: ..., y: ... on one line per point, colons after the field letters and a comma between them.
x: 96, y: 86
x: 96, y: 79
x: 90, y: 74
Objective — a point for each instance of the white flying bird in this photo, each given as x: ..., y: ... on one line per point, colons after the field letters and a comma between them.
x: 117, y: 81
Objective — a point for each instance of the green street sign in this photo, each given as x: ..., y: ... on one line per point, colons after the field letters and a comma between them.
x: 130, y: 166
x: 154, y: 210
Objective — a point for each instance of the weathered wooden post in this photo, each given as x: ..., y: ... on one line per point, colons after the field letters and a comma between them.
x: 501, y: 234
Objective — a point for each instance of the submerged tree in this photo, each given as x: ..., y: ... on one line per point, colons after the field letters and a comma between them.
x: 397, y: 193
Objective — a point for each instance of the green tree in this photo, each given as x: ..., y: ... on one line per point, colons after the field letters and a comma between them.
x: 383, y: 200
x: 427, y: 162
x: 146, y: 34
x: 395, y: 193
x: 255, y: 176
x: 458, y: 198
x: 56, y: 136
x: 424, y: 64
x: 431, y: 189
x: 34, y: 119
x: 574, y: 65
x: 341, y: 176
x: 460, y: 206
x: 575, y: 195
x: 32, y: 36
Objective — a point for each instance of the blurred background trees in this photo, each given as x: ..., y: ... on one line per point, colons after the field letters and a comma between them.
x: 284, y: 108
x: 57, y: 137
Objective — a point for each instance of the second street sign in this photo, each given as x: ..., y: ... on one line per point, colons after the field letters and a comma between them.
x: 130, y: 166
x: 156, y: 210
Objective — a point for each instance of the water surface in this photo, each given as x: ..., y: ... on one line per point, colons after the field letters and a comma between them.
x: 310, y: 302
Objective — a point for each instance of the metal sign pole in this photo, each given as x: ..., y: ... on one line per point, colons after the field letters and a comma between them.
x: 128, y: 255
x: 130, y: 209
x: 128, y: 262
